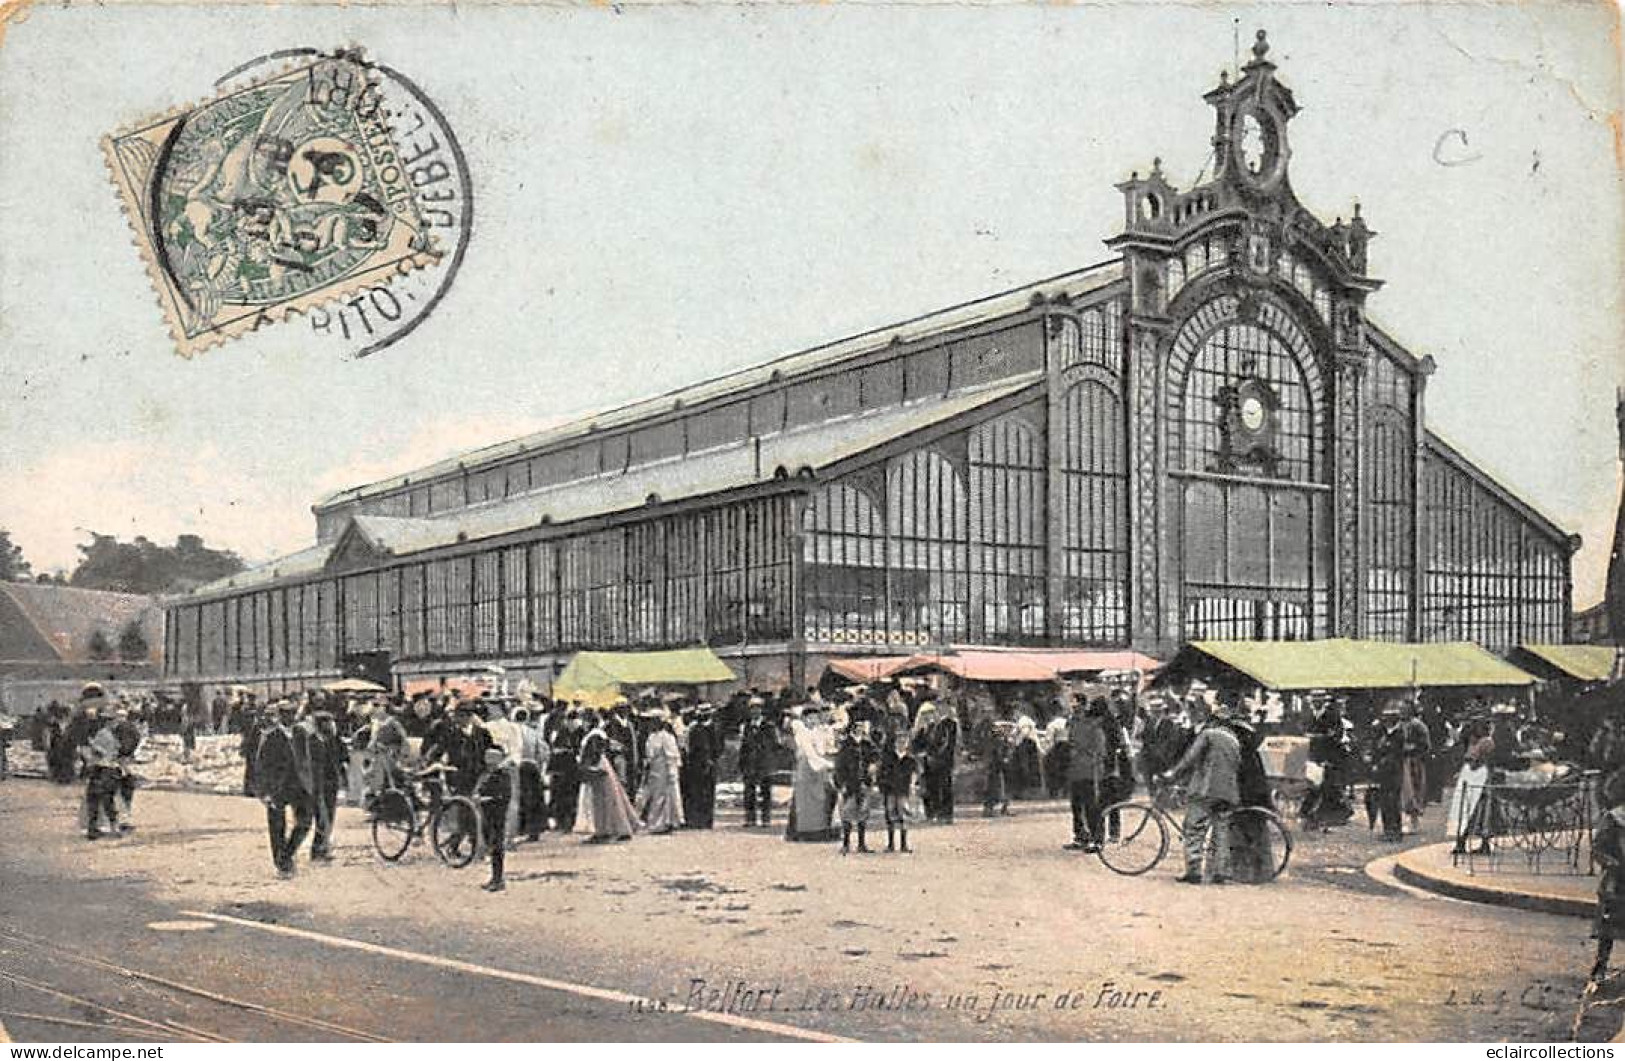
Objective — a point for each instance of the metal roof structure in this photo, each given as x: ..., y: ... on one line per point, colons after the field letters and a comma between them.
x: 748, y: 461
x: 1068, y: 285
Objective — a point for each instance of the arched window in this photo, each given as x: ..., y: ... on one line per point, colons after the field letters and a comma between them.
x: 844, y: 549
x: 1093, y: 607
x: 930, y: 546
x: 1007, y: 531
x: 1247, y: 450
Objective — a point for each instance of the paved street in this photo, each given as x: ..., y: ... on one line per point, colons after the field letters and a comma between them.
x: 990, y: 931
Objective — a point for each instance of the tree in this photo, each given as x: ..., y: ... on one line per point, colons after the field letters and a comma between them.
x: 143, y: 566
x: 132, y: 642
x: 99, y: 647
x: 13, y: 567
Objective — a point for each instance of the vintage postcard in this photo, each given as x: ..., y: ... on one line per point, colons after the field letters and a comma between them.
x: 1006, y: 523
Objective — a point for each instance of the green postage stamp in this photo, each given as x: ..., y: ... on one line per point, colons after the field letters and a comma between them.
x: 269, y: 200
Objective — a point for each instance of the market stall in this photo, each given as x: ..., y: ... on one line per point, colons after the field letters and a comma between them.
x: 598, y: 678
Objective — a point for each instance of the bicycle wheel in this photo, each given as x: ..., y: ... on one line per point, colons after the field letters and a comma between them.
x: 456, y: 832
x: 394, y: 825
x: 1142, y: 839
x: 1260, y: 846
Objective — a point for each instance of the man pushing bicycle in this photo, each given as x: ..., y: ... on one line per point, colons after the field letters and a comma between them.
x: 1210, y: 769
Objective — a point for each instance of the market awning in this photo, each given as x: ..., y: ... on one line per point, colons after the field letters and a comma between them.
x: 1588, y: 663
x: 869, y: 668
x: 599, y: 677
x: 466, y: 688
x: 1028, y: 665
x: 353, y: 685
x: 1345, y: 664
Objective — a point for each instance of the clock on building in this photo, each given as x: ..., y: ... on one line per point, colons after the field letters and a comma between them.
x: 1249, y: 411
x: 1260, y: 146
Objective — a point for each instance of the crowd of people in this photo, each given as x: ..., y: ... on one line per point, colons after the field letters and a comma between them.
x: 852, y: 756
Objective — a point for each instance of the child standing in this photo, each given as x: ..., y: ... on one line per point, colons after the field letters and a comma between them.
x: 897, y: 768
x: 855, y: 765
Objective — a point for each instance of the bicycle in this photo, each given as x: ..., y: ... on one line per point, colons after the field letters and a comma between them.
x: 402, y: 816
x: 1143, y: 826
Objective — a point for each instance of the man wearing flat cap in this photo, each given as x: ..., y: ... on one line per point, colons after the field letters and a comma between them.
x: 281, y: 786
x: 1211, y: 769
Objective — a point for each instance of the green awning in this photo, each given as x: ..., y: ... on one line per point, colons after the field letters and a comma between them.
x: 1589, y: 663
x: 599, y: 677
x: 1341, y: 663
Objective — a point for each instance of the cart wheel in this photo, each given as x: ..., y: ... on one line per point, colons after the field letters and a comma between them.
x: 394, y: 825
x: 456, y: 832
x: 1267, y: 835
x: 1142, y: 839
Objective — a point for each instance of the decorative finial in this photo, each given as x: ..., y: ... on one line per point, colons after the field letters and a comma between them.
x: 1134, y: 176
x: 1261, y: 47
x: 1156, y: 166
x: 1356, y: 209
x: 1224, y: 77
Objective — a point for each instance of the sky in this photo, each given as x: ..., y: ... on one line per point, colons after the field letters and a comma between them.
x: 668, y: 193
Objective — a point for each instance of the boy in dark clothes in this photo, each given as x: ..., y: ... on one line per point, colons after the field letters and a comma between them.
x: 855, y: 765
x: 897, y: 768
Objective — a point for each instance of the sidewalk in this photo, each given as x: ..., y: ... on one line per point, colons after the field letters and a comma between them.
x: 1430, y: 869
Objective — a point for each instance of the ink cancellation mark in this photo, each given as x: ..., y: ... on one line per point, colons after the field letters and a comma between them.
x: 293, y: 193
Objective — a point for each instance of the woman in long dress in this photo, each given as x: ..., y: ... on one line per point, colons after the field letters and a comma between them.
x: 814, y: 772
x: 660, y: 801
x: 604, y: 807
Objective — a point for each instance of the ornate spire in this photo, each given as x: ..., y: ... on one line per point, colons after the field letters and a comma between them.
x: 1261, y: 47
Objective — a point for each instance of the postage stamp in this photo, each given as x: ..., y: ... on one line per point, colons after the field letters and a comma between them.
x: 270, y: 200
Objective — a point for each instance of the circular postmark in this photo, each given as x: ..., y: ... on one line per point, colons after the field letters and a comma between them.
x: 327, y: 176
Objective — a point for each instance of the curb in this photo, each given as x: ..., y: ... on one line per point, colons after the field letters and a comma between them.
x: 1539, y: 902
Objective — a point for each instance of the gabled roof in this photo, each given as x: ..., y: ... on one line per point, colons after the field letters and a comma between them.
x: 40, y: 622
x: 1475, y: 471
x: 738, y: 464
x: 1073, y: 284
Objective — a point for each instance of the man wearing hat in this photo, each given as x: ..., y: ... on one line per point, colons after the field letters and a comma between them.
x: 319, y: 756
x: 1210, y: 767
x: 1389, y: 763
x: 99, y: 755
x: 699, y: 781
x: 758, y: 755
x: 564, y: 768
x: 279, y: 779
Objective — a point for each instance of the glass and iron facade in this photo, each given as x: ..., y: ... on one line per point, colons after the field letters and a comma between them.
x: 1203, y: 438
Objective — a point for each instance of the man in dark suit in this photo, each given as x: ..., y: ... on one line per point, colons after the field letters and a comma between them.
x: 699, y: 770
x: 758, y: 754
x: 278, y: 780
x: 564, y: 744
x: 320, y: 756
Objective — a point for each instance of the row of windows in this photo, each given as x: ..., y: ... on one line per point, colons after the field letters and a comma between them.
x: 1490, y: 577
x: 928, y: 373
x: 1390, y: 475
x: 938, y: 549
x: 717, y: 577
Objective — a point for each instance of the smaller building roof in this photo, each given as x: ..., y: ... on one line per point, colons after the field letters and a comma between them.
x: 1588, y: 663
x: 42, y: 622
x: 1345, y: 664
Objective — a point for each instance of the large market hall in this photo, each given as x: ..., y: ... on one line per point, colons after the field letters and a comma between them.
x: 1204, y: 437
